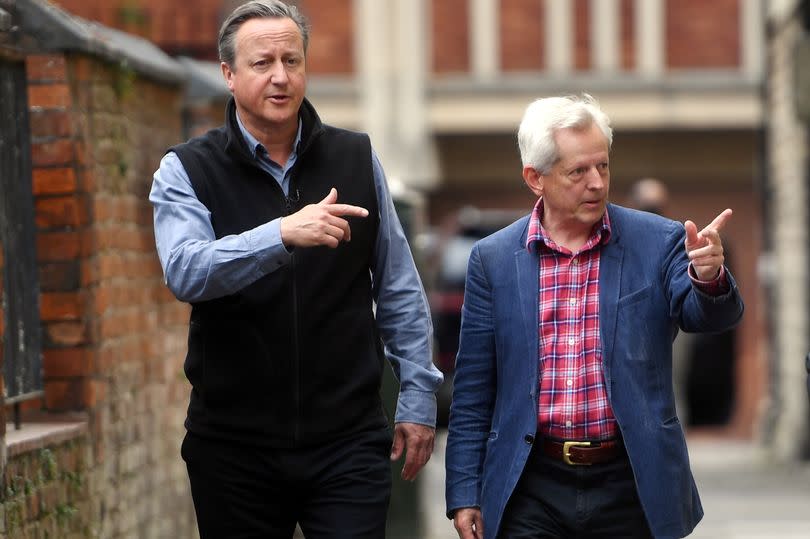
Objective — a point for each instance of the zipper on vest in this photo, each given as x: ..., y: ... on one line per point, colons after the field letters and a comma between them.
x: 290, y: 201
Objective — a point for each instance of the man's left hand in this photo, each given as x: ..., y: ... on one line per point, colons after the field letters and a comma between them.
x: 416, y: 441
x: 704, y: 248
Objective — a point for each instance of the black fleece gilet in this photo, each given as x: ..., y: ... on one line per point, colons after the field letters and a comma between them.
x: 294, y: 358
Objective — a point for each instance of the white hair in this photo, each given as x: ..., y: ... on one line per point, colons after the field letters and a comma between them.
x: 544, y: 117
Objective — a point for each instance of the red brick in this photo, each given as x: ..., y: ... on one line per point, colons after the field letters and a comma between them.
x: 54, y: 181
x: 94, y: 392
x: 628, y: 34
x: 331, y: 46
x: 56, y: 306
x: 52, y: 153
x: 82, y: 68
x: 59, y: 276
x: 582, y: 35
x: 695, y: 38
x: 522, y: 45
x: 49, y: 96
x: 58, y: 334
x: 58, y: 246
x: 45, y: 67
x: 67, y: 362
x: 50, y: 123
x: 450, y: 36
x: 62, y: 395
x: 60, y: 212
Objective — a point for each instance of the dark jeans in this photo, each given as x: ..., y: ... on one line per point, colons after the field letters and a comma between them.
x: 336, y: 490
x: 554, y: 499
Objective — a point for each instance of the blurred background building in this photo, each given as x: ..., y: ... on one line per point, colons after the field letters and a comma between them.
x: 441, y: 87
x: 711, y: 98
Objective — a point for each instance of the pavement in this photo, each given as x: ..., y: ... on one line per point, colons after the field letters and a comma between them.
x: 744, y: 494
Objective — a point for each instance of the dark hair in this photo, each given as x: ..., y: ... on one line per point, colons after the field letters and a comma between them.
x: 257, y: 9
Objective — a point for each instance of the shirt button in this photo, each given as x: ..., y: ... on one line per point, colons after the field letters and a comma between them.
x: 569, y: 383
x: 568, y: 423
x: 529, y: 439
x: 572, y: 301
x: 575, y: 261
x: 572, y: 341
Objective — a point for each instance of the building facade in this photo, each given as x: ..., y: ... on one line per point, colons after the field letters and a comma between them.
x: 441, y: 86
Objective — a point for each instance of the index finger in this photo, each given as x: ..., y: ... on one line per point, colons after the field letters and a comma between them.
x: 347, y: 209
x: 721, y: 220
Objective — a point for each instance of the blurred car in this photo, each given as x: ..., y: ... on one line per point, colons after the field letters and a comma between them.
x: 448, y: 260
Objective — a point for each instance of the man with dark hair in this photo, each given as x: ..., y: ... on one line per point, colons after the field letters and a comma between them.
x: 286, y: 349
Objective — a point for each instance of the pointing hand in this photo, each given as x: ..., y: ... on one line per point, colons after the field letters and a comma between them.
x: 704, y: 248
x: 320, y: 224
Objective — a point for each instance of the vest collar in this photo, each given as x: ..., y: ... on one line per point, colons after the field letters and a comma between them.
x: 311, y: 128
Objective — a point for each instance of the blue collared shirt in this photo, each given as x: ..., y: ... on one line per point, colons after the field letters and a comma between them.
x: 197, y: 267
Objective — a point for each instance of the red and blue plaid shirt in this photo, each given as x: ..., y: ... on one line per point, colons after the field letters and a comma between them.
x: 573, y: 402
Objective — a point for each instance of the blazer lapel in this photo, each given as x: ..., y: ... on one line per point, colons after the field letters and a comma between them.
x: 527, y: 267
x: 610, y: 276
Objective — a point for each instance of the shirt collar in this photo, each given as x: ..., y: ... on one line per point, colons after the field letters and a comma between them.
x: 537, y: 236
x: 254, y: 144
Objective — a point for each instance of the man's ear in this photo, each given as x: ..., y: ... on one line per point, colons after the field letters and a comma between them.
x: 227, y: 74
x: 533, y: 179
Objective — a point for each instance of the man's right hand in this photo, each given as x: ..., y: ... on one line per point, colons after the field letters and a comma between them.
x: 320, y: 224
x: 468, y: 523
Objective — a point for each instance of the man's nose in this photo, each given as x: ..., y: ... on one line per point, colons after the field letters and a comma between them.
x: 596, y: 179
x: 278, y: 73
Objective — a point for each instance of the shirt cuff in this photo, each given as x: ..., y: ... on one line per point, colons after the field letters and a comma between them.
x: 716, y: 287
x: 416, y: 407
x: 265, y: 243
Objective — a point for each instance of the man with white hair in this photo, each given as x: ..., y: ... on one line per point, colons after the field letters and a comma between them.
x: 563, y: 419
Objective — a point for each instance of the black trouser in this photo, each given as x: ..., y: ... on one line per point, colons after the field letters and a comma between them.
x: 335, y: 490
x: 556, y: 500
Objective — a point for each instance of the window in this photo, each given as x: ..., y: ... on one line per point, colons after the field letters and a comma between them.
x: 22, y: 363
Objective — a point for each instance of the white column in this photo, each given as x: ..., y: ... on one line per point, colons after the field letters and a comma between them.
x: 416, y: 153
x: 392, y: 59
x: 605, y: 36
x: 752, y: 29
x: 375, y: 66
x: 559, y: 36
x: 484, y: 39
x: 650, y: 38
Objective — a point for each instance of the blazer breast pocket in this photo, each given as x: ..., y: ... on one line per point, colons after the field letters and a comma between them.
x: 642, y: 294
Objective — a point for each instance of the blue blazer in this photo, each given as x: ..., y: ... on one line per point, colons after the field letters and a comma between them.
x: 645, y: 295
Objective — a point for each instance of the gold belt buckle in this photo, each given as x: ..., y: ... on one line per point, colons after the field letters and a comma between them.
x: 567, y: 455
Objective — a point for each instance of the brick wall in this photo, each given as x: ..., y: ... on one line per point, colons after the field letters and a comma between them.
x: 702, y: 34
x: 47, y: 492
x: 451, y: 39
x: 699, y: 34
x: 522, y: 42
x: 331, y: 40
x: 113, y: 335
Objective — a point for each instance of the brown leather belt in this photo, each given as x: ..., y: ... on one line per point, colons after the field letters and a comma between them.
x: 581, y: 453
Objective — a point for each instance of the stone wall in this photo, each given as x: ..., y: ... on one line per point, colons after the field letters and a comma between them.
x: 788, y: 162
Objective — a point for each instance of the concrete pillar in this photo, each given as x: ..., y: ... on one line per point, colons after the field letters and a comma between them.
x: 787, y: 425
x: 559, y: 36
x: 392, y: 65
x: 605, y: 36
x: 650, y: 38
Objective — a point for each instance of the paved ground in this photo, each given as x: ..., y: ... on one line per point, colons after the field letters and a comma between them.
x: 744, y: 496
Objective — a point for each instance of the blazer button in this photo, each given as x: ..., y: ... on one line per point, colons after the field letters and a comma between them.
x: 529, y: 439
